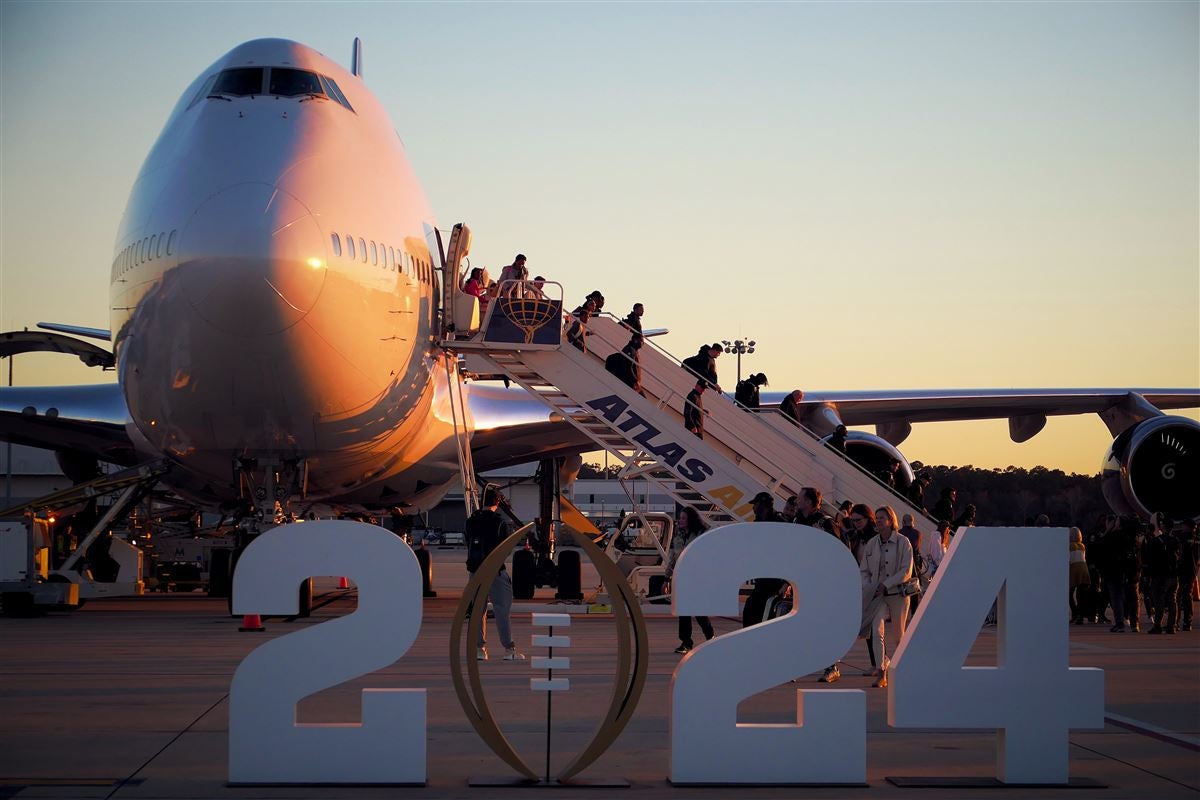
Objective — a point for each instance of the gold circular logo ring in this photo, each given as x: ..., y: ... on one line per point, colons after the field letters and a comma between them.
x: 632, y: 658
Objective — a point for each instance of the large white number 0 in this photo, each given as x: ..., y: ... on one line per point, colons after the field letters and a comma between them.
x: 265, y: 743
x: 828, y: 743
x: 1032, y: 695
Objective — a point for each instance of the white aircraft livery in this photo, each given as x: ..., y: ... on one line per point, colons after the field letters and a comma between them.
x: 275, y: 305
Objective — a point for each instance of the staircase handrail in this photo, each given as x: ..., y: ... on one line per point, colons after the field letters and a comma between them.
x: 775, y: 472
x: 817, y: 442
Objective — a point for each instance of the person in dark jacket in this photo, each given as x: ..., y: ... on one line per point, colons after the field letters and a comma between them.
x: 808, y: 512
x: 1098, y: 595
x: 747, y: 391
x: 485, y: 530
x: 764, y: 588
x: 944, y: 508
x: 1185, y: 533
x: 1160, y: 560
x: 704, y: 364
x: 790, y: 405
x: 1122, y: 572
x: 916, y: 490
x: 634, y: 320
x: 693, y: 410
x: 625, y: 364
x: 688, y: 527
x: 967, y: 518
x: 837, y: 440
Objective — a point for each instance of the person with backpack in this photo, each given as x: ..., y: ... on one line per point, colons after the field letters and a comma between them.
x: 747, y: 390
x: 626, y: 365
x: 704, y: 364
x: 485, y: 530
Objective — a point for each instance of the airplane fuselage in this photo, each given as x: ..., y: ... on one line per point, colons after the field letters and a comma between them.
x: 273, y: 289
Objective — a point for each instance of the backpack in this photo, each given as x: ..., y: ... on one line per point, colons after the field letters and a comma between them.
x: 479, y: 544
x: 744, y: 393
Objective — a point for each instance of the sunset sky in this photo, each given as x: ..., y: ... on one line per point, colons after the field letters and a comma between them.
x: 883, y: 195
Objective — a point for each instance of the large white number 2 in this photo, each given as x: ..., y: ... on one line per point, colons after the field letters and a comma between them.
x: 265, y: 743
x: 828, y: 743
x: 1032, y: 695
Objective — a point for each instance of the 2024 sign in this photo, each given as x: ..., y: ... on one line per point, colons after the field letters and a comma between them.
x: 1032, y: 697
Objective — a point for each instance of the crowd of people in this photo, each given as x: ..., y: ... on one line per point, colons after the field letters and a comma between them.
x: 1132, y: 568
x: 1135, y: 570
x: 514, y: 281
x: 895, y: 563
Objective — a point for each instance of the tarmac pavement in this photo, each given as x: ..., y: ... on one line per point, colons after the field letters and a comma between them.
x: 128, y: 698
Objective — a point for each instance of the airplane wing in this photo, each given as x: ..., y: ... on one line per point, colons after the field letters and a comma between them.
x: 876, y: 407
x: 513, y: 427
x: 83, y: 419
x: 894, y: 411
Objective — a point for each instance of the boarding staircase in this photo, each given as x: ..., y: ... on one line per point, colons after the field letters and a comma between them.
x: 741, y: 454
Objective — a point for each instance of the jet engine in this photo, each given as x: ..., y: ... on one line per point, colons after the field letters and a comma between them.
x: 874, y: 455
x: 1155, y: 466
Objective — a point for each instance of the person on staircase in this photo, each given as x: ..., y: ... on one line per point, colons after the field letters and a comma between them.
x: 577, y: 328
x: 510, y: 272
x: 790, y: 405
x: 625, y: 364
x: 693, y: 410
x: 747, y: 390
x: 476, y: 286
x: 634, y: 320
x: 704, y: 364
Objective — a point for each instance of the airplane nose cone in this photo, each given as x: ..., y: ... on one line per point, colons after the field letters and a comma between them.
x: 252, y: 260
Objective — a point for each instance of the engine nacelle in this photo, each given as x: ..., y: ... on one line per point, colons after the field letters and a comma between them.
x: 1155, y: 466
x: 874, y: 455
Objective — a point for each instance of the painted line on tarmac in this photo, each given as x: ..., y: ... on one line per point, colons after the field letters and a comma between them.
x: 1154, y: 732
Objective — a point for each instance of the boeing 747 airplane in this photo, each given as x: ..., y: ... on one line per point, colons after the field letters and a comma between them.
x: 275, y: 308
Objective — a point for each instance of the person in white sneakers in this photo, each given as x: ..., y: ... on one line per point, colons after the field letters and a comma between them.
x: 485, y: 530
x: 886, y: 568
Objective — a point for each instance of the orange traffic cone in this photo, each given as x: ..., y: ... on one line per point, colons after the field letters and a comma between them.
x: 252, y: 622
x: 343, y: 583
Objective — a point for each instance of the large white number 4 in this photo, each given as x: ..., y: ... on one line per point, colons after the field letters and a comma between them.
x: 1031, y: 695
x: 265, y: 743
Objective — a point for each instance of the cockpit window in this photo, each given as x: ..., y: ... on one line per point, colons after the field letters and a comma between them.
x: 288, y: 82
x: 239, y: 82
x: 205, y: 89
x: 331, y: 88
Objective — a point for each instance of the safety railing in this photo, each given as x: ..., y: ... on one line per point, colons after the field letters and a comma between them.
x: 742, y: 433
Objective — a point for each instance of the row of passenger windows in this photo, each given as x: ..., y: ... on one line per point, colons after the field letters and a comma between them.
x: 382, y: 255
x: 277, y: 81
x: 143, y: 250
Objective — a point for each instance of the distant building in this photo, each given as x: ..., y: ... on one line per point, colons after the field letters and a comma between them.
x: 35, y: 472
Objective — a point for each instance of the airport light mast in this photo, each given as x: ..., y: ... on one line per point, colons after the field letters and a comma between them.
x: 741, y: 348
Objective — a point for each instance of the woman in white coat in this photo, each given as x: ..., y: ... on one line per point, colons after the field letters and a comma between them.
x: 886, y: 568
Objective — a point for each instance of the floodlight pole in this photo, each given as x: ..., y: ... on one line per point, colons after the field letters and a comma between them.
x: 8, y: 465
x: 740, y: 347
